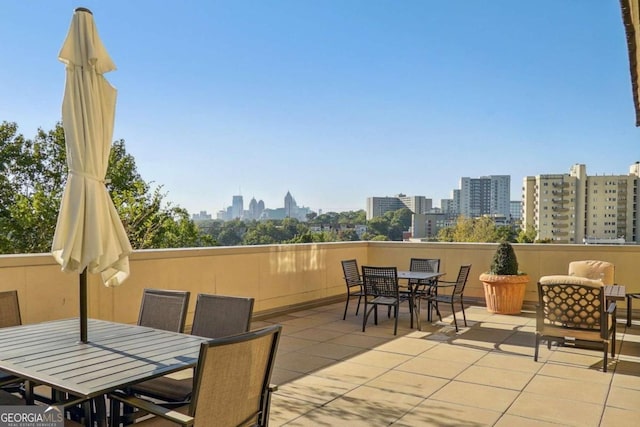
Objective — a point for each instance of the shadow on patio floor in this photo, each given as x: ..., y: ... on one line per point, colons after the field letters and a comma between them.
x: 330, y: 373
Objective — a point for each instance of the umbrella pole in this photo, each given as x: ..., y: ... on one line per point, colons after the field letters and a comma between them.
x: 83, y: 306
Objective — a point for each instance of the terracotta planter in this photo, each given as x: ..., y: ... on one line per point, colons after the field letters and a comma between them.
x: 504, y: 294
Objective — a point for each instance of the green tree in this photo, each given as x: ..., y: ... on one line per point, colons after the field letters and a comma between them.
x: 445, y: 234
x: 348, y: 235
x: 481, y: 229
x: 528, y: 235
x: 32, y: 178
x: 378, y: 226
x: 262, y: 233
x: 232, y: 233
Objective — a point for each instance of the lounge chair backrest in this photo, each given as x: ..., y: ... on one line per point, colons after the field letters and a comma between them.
x: 594, y: 270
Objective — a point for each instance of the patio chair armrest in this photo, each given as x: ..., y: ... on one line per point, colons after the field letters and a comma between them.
x: 152, y: 408
x: 611, y: 313
x: 446, y: 284
x: 10, y: 380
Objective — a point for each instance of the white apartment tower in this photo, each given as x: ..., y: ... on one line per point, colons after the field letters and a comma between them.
x: 487, y: 195
x: 577, y: 208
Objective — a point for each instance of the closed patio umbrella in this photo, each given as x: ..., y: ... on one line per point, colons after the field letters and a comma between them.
x: 89, y: 234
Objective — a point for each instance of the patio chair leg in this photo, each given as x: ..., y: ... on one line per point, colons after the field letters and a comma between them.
x: 463, y: 315
x: 438, y: 311
x: 358, y: 307
x: 395, y: 326
x: 417, y: 312
x: 455, y: 321
x: 365, y: 315
x: 535, y: 354
x: 604, y: 362
x: 375, y: 313
x: 346, y: 306
x: 613, y: 341
x: 114, y: 416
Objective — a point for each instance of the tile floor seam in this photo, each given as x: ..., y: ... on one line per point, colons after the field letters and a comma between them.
x: 429, y: 397
x: 520, y: 393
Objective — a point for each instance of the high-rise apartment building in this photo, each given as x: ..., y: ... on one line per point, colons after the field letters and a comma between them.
x: 515, y: 210
x: 487, y: 195
x: 447, y: 206
x: 378, y: 206
x: 577, y: 208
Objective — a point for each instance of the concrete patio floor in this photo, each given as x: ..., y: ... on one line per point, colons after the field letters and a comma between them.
x: 330, y: 373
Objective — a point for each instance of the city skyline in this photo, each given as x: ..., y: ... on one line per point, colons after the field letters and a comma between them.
x: 339, y: 100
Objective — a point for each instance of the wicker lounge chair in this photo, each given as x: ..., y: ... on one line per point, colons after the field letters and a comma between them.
x: 572, y: 307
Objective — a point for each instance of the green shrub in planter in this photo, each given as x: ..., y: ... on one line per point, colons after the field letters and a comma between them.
x: 504, y: 261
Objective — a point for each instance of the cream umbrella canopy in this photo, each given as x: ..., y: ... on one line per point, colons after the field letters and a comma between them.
x: 89, y: 234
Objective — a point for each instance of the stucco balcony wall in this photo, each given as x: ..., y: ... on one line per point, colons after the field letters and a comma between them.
x: 280, y: 277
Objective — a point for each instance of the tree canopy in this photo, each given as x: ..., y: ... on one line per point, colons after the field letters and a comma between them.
x: 482, y: 229
x: 33, y: 175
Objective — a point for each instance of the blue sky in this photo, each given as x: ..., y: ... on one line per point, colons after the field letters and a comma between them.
x: 339, y: 100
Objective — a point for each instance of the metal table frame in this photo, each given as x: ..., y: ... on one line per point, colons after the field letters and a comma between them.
x: 418, y: 275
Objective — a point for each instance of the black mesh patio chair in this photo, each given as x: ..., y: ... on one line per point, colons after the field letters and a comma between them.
x: 231, y: 385
x: 216, y: 316
x: 381, y: 288
x: 572, y: 307
x: 164, y: 309
x: 455, y: 294
x: 423, y: 288
x: 353, y: 280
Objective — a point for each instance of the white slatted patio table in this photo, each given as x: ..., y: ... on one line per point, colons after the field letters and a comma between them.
x: 116, y: 356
